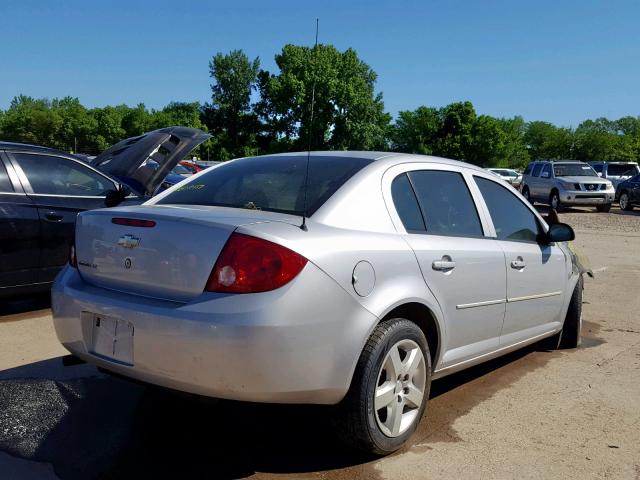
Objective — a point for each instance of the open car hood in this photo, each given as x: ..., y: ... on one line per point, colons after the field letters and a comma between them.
x: 143, y: 162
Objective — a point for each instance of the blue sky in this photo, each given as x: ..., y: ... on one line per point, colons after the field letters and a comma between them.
x: 561, y: 61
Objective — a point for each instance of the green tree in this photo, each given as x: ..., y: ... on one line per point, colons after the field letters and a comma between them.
x: 76, y: 126
x: 515, y: 154
x: 546, y: 141
x: 348, y: 114
x: 229, y: 116
x: 488, y: 144
x: 108, y: 128
x: 455, y: 138
x: 136, y: 120
x: 28, y: 120
x: 417, y: 131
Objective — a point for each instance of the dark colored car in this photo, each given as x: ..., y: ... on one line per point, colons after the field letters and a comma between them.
x: 42, y: 190
x: 628, y: 193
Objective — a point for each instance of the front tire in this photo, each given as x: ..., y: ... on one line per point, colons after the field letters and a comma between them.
x: 389, y: 390
x: 625, y: 204
x: 554, y: 201
x: 570, y: 335
x: 526, y: 194
x: 603, y: 208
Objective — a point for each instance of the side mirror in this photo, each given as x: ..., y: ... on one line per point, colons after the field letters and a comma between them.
x: 114, y: 198
x: 560, y: 232
x: 599, y: 174
x: 544, y: 175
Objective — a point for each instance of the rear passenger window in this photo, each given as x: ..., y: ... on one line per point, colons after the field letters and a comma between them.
x: 406, y: 204
x: 536, y: 170
x: 50, y: 175
x: 512, y: 219
x: 446, y: 203
x: 5, y: 183
x: 546, y: 171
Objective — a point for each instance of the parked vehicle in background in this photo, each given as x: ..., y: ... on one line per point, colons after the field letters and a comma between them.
x: 628, y: 193
x: 182, y: 171
x: 191, y: 166
x: 508, y: 175
x: 407, y: 268
x: 616, y: 172
x: 561, y: 183
x: 42, y: 190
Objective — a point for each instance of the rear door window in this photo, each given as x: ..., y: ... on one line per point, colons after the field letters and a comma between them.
x: 536, y: 170
x: 446, y: 203
x: 546, y: 171
x: 51, y: 175
x: 274, y: 183
x: 5, y: 183
x: 406, y: 203
x: 621, y: 169
x: 511, y: 218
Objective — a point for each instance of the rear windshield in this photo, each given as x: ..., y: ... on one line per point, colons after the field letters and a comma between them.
x: 271, y: 183
x: 573, y: 170
x: 622, y: 169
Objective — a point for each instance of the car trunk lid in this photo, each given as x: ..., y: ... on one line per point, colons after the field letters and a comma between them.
x: 144, y: 161
x: 165, y: 252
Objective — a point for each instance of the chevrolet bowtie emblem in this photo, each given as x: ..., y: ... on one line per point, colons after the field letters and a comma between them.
x: 128, y: 241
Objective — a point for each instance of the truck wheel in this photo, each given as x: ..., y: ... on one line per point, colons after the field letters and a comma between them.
x: 554, y: 201
x: 389, y: 390
x: 603, y: 208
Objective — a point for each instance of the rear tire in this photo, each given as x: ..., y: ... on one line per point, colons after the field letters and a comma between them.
x: 625, y: 204
x: 382, y: 374
x: 603, y: 208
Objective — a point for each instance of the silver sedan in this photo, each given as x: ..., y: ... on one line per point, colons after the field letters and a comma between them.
x: 356, y: 284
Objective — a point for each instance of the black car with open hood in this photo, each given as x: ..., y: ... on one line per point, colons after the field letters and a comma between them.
x: 42, y: 190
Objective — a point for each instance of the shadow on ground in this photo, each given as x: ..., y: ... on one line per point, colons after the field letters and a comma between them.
x: 90, y: 425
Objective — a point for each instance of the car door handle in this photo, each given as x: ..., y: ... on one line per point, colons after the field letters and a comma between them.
x: 444, y: 265
x: 53, y: 216
x: 518, y: 263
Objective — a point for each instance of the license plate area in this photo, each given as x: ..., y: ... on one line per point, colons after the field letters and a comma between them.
x: 112, y: 338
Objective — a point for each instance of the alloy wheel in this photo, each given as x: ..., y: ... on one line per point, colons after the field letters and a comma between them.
x: 400, y: 388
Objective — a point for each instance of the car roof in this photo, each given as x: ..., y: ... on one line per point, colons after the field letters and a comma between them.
x: 383, y: 157
x: 26, y: 147
x: 615, y: 162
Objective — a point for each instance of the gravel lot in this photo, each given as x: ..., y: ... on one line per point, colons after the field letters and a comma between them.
x: 531, y: 414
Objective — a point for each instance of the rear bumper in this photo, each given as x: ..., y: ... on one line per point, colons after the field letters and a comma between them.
x: 297, y: 344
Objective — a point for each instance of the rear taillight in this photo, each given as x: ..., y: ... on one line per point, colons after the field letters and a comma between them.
x: 249, y: 264
x: 73, y: 260
x: 133, y: 222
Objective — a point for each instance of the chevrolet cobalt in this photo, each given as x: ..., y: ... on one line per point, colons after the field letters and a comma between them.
x: 354, y: 279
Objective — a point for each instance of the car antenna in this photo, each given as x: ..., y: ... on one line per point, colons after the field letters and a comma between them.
x: 309, y: 130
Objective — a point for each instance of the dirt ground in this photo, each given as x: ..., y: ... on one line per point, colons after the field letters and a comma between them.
x: 531, y: 414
